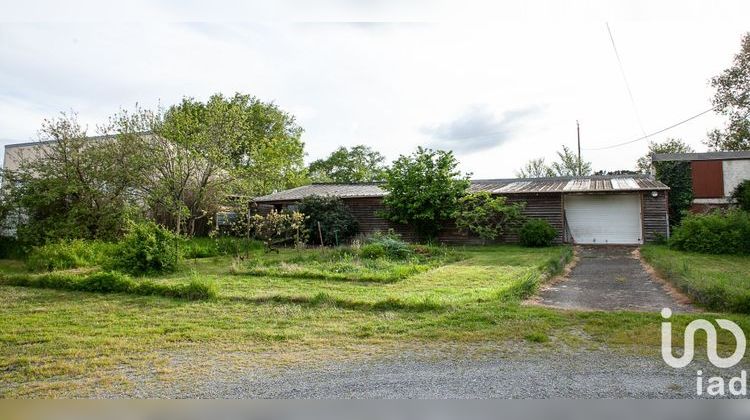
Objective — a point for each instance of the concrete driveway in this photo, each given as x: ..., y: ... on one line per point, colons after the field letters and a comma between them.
x: 611, y: 278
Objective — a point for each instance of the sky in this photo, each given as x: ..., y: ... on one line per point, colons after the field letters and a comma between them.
x: 498, y: 83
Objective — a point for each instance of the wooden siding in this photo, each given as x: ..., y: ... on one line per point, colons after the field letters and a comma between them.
x: 708, y: 178
x: 655, y: 223
x: 547, y: 206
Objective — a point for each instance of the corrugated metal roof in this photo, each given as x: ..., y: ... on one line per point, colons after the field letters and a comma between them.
x: 495, y: 186
x: 657, y: 157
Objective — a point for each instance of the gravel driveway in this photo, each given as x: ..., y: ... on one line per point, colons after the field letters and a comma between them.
x: 610, y: 278
x: 584, y: 374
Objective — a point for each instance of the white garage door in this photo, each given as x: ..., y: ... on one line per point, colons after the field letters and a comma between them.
x: 604, y: 219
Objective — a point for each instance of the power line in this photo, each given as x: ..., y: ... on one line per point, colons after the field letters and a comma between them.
x: 652, y: 134
x: 624, y: 78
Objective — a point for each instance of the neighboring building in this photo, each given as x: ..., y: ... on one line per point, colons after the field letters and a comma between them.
x: 714, y: 175
x: 613, y: 209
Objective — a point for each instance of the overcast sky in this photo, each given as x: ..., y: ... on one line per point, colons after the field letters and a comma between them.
x: 498, y: 85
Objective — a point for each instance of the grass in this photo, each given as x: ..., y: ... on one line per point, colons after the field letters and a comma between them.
x: 717, y: 282
x: 70, y: 343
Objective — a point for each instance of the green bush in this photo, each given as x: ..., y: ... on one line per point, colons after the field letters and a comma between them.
x: 537, y: 233
x: 10, y: 248
x: 218, y: 246
x: 147, y: 248
x: 713, y: 233
x: 372, y: 251
x: 337, y: 223
x: 112, y: 282
x: 391, y: 243
x: 69, y: 254
x: 742, y: 195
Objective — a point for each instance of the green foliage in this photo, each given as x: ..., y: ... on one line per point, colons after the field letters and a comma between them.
x: 742, y: 195
x: 11, y: 248
x: 570, y: 165
x: 537, y: 233
x: 487, y: 216
x: 360, y: 164
x: 713, y: 233
x: 671, y: 145
x: 677, y: 176
x: 218, y: 246
x: 372, y: 251
x: 732, y: 100
x: 391, y: 244
x: 423, y: 190
x: 337, y: 223
x: 535, y: 168
x: 113, y: 282
x: 278, y: 228
x: 69, y: 254
x: 147, y: 248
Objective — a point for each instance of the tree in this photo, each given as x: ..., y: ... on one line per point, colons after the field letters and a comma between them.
x: 732, y: 99
x: 360, y: 164
x: 742, y: 194
x: 675, y: 174
x: 424, y: 189
x: 570, y: 165
x: 670, y: 145
x: 337, y: 223
x: 487, y: 216
x: 72, y: 186
x: 535, y: 168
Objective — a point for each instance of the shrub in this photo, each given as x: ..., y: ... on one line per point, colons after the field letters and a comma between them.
x: 277, y: 228
x: 537, y: 233
x: 372, y: 251
x: 742, y: 195
x: 10, y: 248
x: 487, y: 216
x: 714, y: 233
x: 112, y: 282
x: 337, y: 223
x: 147, y: 248
x: 391, y: 243
x: 69, y: 254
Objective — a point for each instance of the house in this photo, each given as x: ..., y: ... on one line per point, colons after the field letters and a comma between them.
x: 608, y: 209
x: 714, y: 175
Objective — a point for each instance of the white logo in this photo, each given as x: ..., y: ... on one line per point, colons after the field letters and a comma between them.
x: 701, y: 324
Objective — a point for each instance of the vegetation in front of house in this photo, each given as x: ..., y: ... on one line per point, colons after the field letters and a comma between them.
x: 147, y: 248
x: 219, y: 245
x: 537, y: 233
x: 487, y: 216
x: 423, y: 190
x: 329, y: 218
x: 718, y: 282
x: 742, y: 195
x: 381, y: 258
x: 63, y: 255
x: 111, y: 282
x: 675, y: 174
x: 719, y: 232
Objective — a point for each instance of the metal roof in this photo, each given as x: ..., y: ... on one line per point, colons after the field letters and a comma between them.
x: 658, y: 157
x: 602, y: 183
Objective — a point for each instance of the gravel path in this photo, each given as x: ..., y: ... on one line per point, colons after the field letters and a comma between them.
x: 610, y: 278
x: 587, y: 374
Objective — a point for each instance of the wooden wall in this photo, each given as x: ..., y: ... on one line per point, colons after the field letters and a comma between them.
x: 655, y: 212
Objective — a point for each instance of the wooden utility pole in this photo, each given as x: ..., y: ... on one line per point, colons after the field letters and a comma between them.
x: 578, y: 132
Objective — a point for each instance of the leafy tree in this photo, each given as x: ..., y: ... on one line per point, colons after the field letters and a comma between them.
x: 424, y: 189
x: 671, y: 145
x: 71, y: 187
x: 742, y: 195
x: 337, y: 223
x: 732, y: 99
x: 535, y: 168
x: 570, y: 165
x: 487, y: 216
x: 360, y: 164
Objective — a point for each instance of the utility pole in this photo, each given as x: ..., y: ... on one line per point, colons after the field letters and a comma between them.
x: 578, y: 131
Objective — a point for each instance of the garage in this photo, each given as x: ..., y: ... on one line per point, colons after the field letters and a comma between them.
x: 603, y: 218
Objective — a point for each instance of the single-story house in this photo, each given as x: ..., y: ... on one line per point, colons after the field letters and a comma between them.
x: 609, y: 209
x: 714, y: 175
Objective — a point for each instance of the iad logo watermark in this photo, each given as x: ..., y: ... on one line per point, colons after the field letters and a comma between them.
x: 715, y: 385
